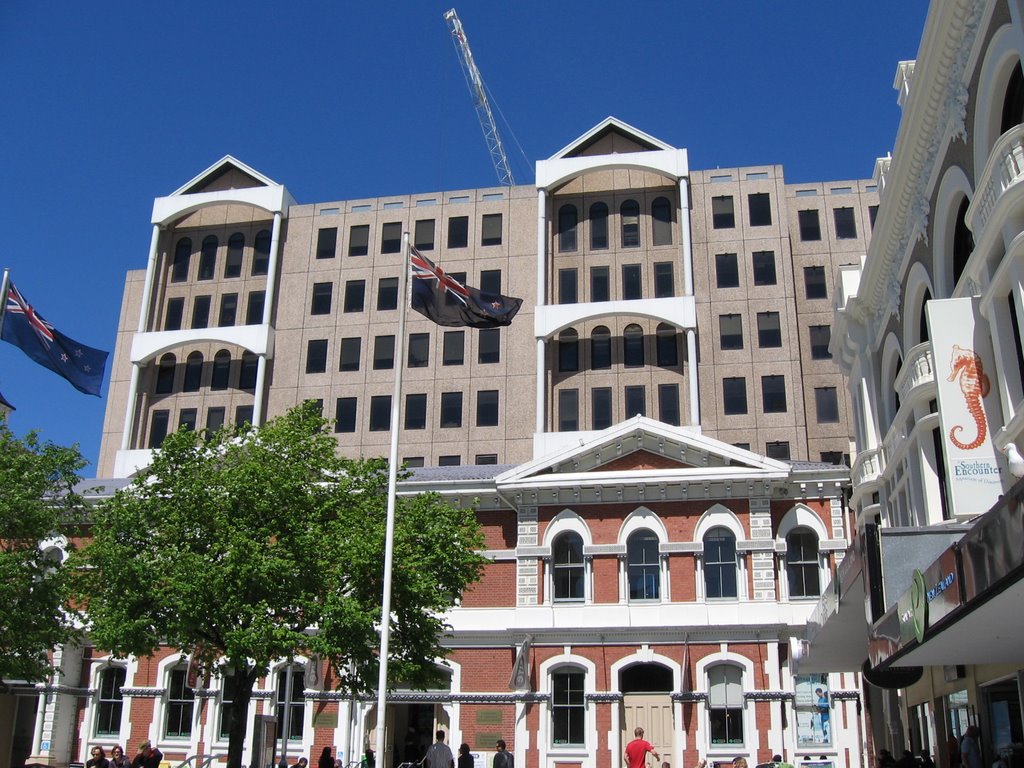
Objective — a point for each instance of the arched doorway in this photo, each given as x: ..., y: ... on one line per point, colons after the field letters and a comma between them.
x: 647, y: 703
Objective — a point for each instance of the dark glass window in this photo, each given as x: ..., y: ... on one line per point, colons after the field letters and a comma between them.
x: 719, y: 564
x: 243, y: 415
x: 664, y: 282
x: 633, y: 346
x: 764, y: 267
x: 568, y: 708
x: 247, y: 371
x: 760, y: 207
x: 487, y: 408
x: 391, y: 237
x: 482, y: 459
x: 458, y: 231
x: 453, y: 348
x: 180, y: 701
x: 359, y: 240
x: 419, y: 350
x: 727, y: 271
x: 187, y: 418
x: 846, y: 224
x: 221, y: 373
x: 769, y: 330
x: 228, y: 310
x: 734, y: 396
x: 568, y: 410
x: 490, y: 229
x: 567, y: 568
x: 380, y: 413
x: 600, y: 284
x: 175, y: 310
x: 872, y: 214
x: 814, y: 283
x: 723, y: 215
x: 567, y: 286
x: 826, y: 405
x: 632, y: 284
x: 1013, y: 101
x: 236, y: 248
x: 810, y: 224
x: 661, y: 218
x: 667, y: 345
x: 773, y: 394
x: 193, y: 372
x: 449, y: 460
x: 345, y: 414
x: 802, y: 571
x: 201, y: 312
x: 297, y: 705
x: 963, y: 241
x: 488, y: 345
x: 568, y: 350
x: 316, y: 356
x: 821, y: 337
x: 111, y: 701
x: 725, y: 704
x: 254, y: 308
x: 158, y: 428
x: 208, y: 258
x: 598, y: 226
x: 179, y: 265
x: 387, y: 293
x: 416, y: 411
x: 451, y: 410
x: 668, y: 404
x: 600, y: 408
x: 643, y: 566
x: 600, y: 348
x: 326, y: 242
x: 490, y: 282
x: 629, y: 213
x: 730, y: 330
x: 261, y: 252
x: 636, y: 401
x: 321, y: 303
x: 423, y: 238
x: 351, y: 353
x: 568, y: 218
x: 384, y: 353
x: 355, y: 292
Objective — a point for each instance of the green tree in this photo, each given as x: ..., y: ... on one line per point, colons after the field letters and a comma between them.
x: 36, y: 503
x: 247, y: 547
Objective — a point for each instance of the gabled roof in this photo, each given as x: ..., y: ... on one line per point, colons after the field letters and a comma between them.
x: 246, y: 177
x: 611, y: 126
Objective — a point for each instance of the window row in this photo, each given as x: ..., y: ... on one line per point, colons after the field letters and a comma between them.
x: 773, y: 398
x: 769, y: 334
x: 844, y: 219
x: 449, y: 415
x: 209, y: 250
x: 631, y: 287
x: 727, y: 273
x: 226, y: 315
x: 160, y: 421
x: 452, y: 460
x: 423, y: 236
x: 453, y: 351
x: 354, y: 299
x: 218, y: 374
x: 634, y: 403
x: 629, y: 225
x: 759, y: 211
x: 629, y: 350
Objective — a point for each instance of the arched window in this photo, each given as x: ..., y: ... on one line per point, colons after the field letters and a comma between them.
x: 261, y: 253
x: 629, y: 213
x: 720, y: 564
x: 600, y: 348
x: 804, y: 575
x: 661, y: 217
x: 923, y: 334
x: 963, y: 242
x: 567, y: 220
x: 568, y: 707
x: 111, y: 701
x: 567, y: 570
x: 568, y: 350
x: 179, y: 266
x: 291, y: 701
x: 1013, y: 101
x: 193, y: 372
x: 165, y: 374
x: 236, y: 247
x: 208, y: 258
x: 725, y: 704
x: 247, y: 373
x: 221, y: 370
x: 180, y: 703
x: 643, y: 565
x: 633, y: 346
x: 598, y: 226
x: 668, y: 346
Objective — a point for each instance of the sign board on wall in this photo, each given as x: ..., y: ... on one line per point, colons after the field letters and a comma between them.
x: 968, y: 403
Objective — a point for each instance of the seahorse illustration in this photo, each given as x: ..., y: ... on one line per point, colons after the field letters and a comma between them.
x: 975, y: 385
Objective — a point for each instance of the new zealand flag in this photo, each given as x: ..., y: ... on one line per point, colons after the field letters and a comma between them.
x: 446, y: 301
x: 26, y: 329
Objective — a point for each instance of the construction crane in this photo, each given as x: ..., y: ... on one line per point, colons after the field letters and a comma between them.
x: 479, y: 93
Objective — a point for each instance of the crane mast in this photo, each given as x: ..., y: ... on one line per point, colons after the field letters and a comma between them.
x: 480, y: 100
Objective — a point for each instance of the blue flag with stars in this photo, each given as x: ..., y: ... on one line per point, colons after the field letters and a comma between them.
x: 26, y: 329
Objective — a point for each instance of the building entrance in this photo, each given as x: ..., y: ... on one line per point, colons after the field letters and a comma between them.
x: 647, y: 703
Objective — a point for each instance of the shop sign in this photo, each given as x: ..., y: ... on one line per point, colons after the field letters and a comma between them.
x: 942, y: 587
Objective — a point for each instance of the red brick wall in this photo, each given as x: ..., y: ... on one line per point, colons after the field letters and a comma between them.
x: 497, y: 587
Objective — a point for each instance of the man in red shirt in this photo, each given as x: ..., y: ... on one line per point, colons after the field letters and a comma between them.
x: 637, y: 749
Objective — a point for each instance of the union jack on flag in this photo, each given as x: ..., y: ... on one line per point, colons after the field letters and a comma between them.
x: 16, y: 305
x: 424, y: 269
x: 431, y: 286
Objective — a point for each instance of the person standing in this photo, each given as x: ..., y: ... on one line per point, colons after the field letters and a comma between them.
x: 439, y: 755
x: 503, y: 758
x: 465, y: 759
x: 148, y: 756
x: 970, y: 750
x: 637, y: 749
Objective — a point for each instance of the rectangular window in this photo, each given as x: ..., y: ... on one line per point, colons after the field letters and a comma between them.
x: 208, y: 259
x: 725, y: 704
x: 451, y: 410
x: 769, y: 330
x: 449, y: 461
x: 814, y: 283
x: 664, y: 284
x: 175, y: 310
x: 201, y: 312
x: 826, y: 405
x: 187, y: 418
x: 600, y: 284
x: 727, y: 270
x: 355, y: 291
x: 322, y: 294
x: 636, y: 401
x: 419, y: 350
x: 351, y: 352
x: 810, y: 225
x: 722, y: 214
x: 490, y: 282
x: 453, y: 348
x: 423, y: 237
x: 489, y: 345
x: 254, y: 307
x: 111, y: 701
x: 228, y: 310
x: 487, y: 408
x: 777, y: 449
x: 568, y: 410
x: 180, y: 701
x: 773, y: 394
x: 345, y: 414
x: 759, y: 205
x: 415, y: 411
x: 730, y: 329
x: 316, y: 356
x: 387, y: 293
x: 383, y: 353
x: 568, y: 351
x: 359, y: 240
x: 326, y: 242
x: 734, y: 396
x: 490, y: 229
x: 600, y: 408
x: 214, y: 420
x: 568, y: 708
x: 764, y: 267
x: 243, y: 415
x: 668, y: 404
x: 483, y: 459
x: 391, y: 237
x: 567, y: 286
x: 380, y: 413
x: 846, y: 224
x: 413, y: 461
x: 631, y: 282
x: 872, y: 215
x: 821, y: 337
x: 158, y: 428
x: 458, y: 231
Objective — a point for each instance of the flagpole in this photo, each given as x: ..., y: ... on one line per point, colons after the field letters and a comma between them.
x: 3, y: 297
x: 389, y: 538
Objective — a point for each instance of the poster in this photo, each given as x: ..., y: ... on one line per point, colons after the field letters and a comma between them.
x: 813, y: 707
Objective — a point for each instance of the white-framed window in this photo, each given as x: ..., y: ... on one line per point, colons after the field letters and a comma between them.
x: 725, y: 705
x: 568, y: 569
x: 643, y: 566
x: 803, y: 566
x: 180, y: 704
x: 291, y: 680
x: 568, y: 707
x: 226, y: 703
x: 720, y: 565
x: 110, y: 702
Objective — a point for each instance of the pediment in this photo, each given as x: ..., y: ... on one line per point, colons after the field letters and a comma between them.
x: 611, y: 137
x: 227, y: 173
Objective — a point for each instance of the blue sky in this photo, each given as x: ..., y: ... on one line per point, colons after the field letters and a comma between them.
x: 108, y: 105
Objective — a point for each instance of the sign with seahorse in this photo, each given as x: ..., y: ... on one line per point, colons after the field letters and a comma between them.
x: 963, y: 361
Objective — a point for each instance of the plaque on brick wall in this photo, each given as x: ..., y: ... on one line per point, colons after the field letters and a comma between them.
x: 489, y: 717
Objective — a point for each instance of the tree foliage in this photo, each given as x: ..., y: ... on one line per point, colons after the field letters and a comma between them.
x: 248, y: 547
x: 36, y: 503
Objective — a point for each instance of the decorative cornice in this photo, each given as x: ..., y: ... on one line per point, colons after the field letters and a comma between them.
x: 768, y: 696
x: 68, y: 690
x: 604, y: 698
x: 845, y: 695
x: 690, y: 697
x: 144, y: 693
